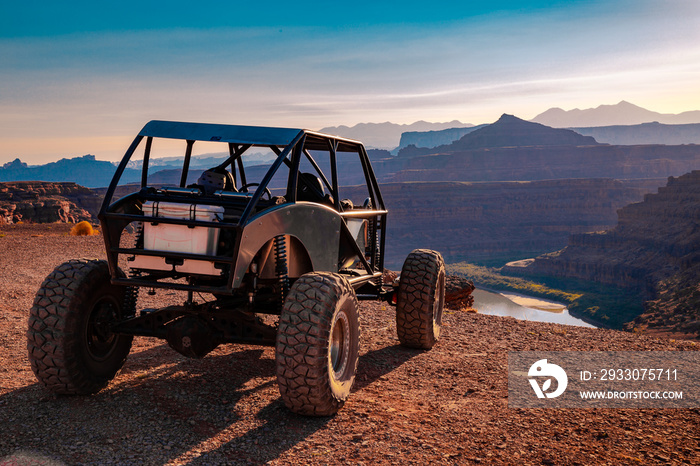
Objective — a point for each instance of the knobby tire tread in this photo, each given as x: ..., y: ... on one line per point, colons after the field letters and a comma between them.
x: 302, y: 343
x: 417, y: 294
x: 54, y: 329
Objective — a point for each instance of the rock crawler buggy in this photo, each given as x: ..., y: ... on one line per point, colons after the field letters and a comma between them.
x: 293, y: 247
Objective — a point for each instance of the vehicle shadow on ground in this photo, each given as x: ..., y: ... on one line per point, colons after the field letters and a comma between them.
x: 377, y: 363
x: 159, y: 407
x: 282, y: 430
x: 167, y: 408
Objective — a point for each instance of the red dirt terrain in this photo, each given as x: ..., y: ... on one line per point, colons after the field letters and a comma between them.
x: 448, y: 405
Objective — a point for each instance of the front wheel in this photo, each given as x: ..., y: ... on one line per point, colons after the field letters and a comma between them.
x: 318, y: 343
x: 421, y: 299
x: 70, y: 346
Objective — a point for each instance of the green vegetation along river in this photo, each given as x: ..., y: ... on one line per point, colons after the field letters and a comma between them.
x: 526, y: 308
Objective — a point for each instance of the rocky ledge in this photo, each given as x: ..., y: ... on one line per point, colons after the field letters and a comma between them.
x: 46, y: 202
x: 445, y: 406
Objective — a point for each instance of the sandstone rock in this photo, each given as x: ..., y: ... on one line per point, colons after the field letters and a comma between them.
x: 47, y: 202
x: 458, y: 292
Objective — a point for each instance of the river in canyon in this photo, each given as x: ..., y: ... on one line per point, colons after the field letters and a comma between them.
x: 524, y: 308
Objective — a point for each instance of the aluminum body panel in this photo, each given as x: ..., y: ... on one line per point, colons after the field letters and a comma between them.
x: 315, y: 225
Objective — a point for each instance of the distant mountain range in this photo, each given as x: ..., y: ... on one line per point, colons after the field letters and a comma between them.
x: 621, y: 124
x: 85, y: 170
x: 623, y: 113
x: 91, y: 173
x: 614, y: 118
x: 646, y: 133
x: 387, y: 135
x: 508, y: 131
x: 420, y: 138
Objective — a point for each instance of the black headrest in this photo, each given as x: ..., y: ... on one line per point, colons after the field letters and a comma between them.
x: 310, y: 188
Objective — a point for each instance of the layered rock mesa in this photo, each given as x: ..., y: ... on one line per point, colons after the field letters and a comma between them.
x: 434, y: 138
x: 514, y: 149
x: 493, y: 223
x: 645, y: 133
x: 511, y: 150
x: 47, y: 202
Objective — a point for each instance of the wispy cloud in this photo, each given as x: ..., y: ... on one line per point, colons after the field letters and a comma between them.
x: 473, y: 68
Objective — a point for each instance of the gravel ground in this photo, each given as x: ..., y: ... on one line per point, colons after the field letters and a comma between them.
x: 444, y: 406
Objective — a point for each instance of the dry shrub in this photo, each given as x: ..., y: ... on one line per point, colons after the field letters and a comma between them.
x: 83, y: 228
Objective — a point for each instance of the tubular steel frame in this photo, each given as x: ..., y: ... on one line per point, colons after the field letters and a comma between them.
x: 290, y: 145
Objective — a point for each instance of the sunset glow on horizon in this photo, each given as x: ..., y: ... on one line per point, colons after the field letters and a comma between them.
x: 86, y: 78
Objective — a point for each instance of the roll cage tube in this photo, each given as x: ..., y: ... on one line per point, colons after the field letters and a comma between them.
x: 118, y: 174
x: 267, y: 178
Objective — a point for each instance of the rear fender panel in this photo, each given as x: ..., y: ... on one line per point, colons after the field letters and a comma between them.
x: 315, y: 226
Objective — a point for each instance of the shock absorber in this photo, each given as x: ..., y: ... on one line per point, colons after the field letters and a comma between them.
x: 131, y: 294
x: 281, y: 270
x: 374, y: 241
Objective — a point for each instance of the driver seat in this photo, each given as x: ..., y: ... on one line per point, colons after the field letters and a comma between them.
x: 310, y: 188
x: 216, y: 179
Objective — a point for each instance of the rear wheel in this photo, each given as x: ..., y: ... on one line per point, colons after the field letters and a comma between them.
x: 421, y: 299
x: 318, y: 344
x: 70, y: 346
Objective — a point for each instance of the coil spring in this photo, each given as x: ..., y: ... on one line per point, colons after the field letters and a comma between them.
x: 281, y: 270
x: 131, y: 294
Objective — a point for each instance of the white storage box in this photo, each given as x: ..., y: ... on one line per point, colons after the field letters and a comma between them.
x: 179, y: 238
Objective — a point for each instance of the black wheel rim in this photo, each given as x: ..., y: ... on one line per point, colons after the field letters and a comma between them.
x: 339, y: 345
x: 100, y: 340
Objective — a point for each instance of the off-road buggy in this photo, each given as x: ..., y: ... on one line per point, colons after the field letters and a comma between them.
x: 293, y: 247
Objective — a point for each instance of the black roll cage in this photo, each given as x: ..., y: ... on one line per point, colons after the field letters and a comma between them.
x: 290, y: 145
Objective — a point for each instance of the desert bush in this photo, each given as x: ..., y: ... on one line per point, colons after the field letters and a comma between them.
x: 83, y: 228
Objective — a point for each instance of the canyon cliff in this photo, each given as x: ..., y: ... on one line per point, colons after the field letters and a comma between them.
x: 434, y: 138
x: 493, y: 223
x: 46, y: 202
x: 653, y: 251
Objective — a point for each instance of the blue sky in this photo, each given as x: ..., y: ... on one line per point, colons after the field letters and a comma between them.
x: 83, y: 77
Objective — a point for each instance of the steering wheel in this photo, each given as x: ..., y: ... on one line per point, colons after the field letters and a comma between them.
x: 244, y: 189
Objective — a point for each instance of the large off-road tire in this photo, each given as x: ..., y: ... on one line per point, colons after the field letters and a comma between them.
x: 318, y: 343
x: 421, y: 299
x: 70, y: 347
